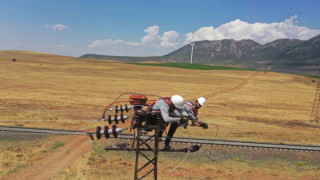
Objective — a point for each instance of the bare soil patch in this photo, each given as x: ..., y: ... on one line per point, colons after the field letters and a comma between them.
x: 52, y: 165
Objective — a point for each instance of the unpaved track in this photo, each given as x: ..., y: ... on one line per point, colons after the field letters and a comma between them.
x: 237, y: 87
x: 49, y: 167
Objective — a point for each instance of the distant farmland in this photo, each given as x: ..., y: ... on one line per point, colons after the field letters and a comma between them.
x: 49, y: 91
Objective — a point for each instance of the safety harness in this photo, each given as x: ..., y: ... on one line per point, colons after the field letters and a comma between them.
x: 194, y: 109
x: 166, y: 99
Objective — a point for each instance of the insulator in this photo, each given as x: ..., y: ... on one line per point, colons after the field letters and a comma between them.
x: 109, y: 119
x: 121, y: 108
x: 121, y: 118
x: 126, y: 107
x: 98, y: 133
x: 106, y: 132
x: 114, y: 131
x: 117, y: 109
x: 116, y: 118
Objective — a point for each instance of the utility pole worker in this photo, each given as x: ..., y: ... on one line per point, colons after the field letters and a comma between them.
x: 192, y: 111
x: 167, y: 105
x: 159, y: 112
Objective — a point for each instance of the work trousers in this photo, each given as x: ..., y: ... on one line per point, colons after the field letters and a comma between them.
x: 172, y: 130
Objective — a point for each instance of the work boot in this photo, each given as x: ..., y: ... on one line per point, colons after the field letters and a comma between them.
x: 168, y: 148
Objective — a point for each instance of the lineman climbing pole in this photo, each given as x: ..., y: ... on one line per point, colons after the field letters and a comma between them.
x: 314, y: 117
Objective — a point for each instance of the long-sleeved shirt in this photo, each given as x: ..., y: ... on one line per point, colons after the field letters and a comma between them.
x: 162, y: 106
x: 192, y: 112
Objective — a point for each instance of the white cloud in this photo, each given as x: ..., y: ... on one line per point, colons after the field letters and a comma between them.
x: 259, y: 32
x: 152, y: 36
x: 155, y: 42
x: 57, y: 27
x: 291, y: 20
x: 109, y: 42
x: 169, y: 39
x: 151, y: 44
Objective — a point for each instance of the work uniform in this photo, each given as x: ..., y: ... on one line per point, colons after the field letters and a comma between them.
x: 162, y: 111
x: 189, y: 111
x: 162, y: 107
x: 158, y: 113
x: 192, y: 111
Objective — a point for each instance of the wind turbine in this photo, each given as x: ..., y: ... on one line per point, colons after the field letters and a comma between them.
x: 192, y: 44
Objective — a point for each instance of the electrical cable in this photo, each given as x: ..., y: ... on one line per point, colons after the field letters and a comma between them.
x: 215, y: 137
x: 185, y: 157
x: 39, y: 120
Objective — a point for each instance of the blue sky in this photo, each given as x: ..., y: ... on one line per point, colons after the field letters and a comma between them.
x: 148, y: 27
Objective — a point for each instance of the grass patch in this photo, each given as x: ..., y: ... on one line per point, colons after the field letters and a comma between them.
x: 311, y: 75
x: 237, y: 159
x: 302, y: 163
x: 56, y: 145
x: 98, y: 149
x: 192, y: 66
x: 17, y: 168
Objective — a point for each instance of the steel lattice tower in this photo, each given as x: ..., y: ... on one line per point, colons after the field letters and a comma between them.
x: 314, y: 117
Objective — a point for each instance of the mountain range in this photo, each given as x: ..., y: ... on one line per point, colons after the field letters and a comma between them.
x: 280, y: 54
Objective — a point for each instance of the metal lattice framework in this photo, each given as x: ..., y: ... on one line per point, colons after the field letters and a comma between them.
x: 151, y: 161
x: 314, y: 117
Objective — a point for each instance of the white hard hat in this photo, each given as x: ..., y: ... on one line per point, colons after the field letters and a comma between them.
x: 201, y: 101
x: 178, y: 101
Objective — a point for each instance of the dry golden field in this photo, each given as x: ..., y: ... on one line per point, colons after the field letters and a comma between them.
x: 44, y: 90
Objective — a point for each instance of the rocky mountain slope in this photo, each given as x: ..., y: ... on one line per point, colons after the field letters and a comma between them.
x: 279, y: 54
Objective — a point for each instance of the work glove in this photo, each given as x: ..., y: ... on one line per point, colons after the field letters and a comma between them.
x: 204, y: 125
x: 183, y: 120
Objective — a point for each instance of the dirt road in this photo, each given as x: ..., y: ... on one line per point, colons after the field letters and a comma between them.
x: 52, y: 165
x: 236, y: 87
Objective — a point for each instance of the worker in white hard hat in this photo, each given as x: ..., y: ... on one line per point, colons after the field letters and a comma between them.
x: 192, y: 112
x: 161, y: 110
x: 166, y: 105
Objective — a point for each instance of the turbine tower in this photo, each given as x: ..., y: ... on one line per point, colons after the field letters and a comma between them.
x: 192, y: 44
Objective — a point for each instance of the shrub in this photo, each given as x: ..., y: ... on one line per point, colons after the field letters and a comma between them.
x: 56, y: 145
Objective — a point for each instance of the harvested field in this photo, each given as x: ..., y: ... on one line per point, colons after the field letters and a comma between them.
x: 49, y: 91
